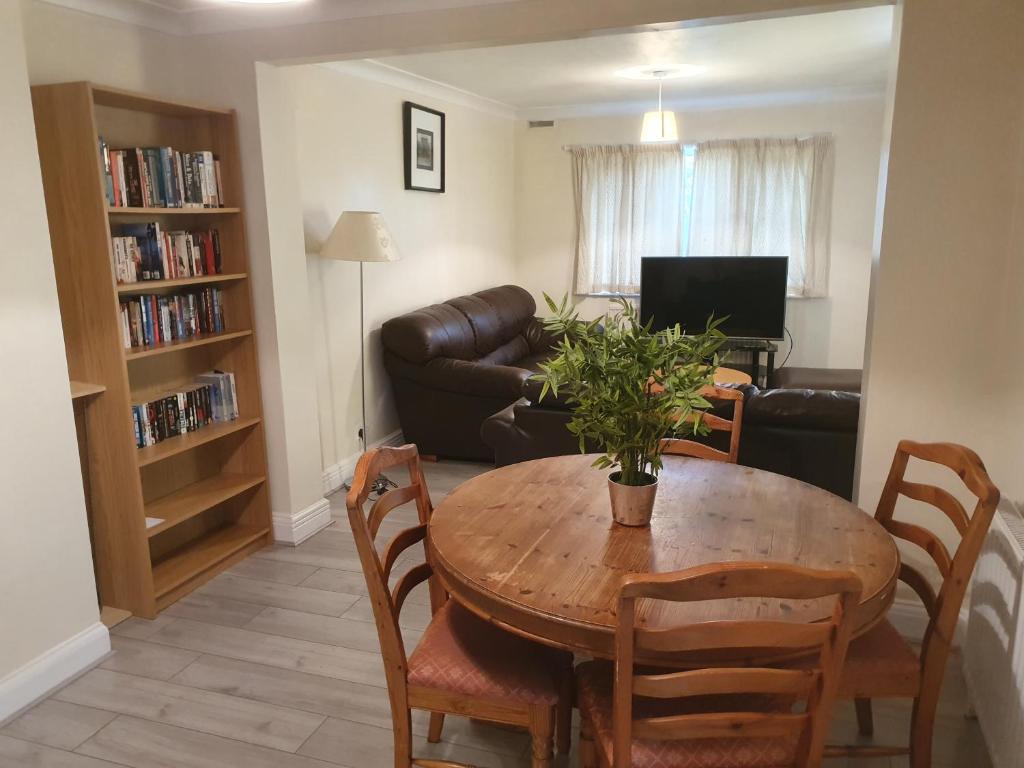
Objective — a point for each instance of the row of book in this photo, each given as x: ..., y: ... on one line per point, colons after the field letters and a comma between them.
x: 161, y: 177
x: 152, y: 319
x: 211, y: 398
x: 148, y: 252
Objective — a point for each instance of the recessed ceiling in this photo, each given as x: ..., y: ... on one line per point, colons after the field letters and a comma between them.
x: 813, y: 56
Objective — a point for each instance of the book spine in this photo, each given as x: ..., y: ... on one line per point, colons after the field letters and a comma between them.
x: 210, y: 171
x: 147, y: 182
x: 108, y: 176
x: 220, y: 184
x: 133, y: 178
x: 218, y: 264
x: 167, y: 177
x: 210, y: 265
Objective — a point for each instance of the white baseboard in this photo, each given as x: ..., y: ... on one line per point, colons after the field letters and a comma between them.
x: 25, y: 686
x: 911, y: 620
x: 296, y: 527
x: 336, y: 475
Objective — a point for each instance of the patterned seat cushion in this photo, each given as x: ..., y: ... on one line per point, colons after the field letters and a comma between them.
x: 462, y: 653
x: 880, y: 663
x: 594, y: 683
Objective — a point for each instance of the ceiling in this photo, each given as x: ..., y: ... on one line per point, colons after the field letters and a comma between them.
x: 796, y: 57
x: 196, y: 17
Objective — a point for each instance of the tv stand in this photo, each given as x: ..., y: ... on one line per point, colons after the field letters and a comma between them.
x: 755, y: 347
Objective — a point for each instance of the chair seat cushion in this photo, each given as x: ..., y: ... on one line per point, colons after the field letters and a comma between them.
x: 461, y: 653
x: 880, y: 663
x: 594, y: 683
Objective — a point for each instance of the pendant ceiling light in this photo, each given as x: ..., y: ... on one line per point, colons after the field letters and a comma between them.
x: 660, y: 125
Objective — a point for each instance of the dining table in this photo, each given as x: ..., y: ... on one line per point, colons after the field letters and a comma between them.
x: 532, y: 547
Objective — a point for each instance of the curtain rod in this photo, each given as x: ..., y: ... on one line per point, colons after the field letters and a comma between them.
x: 570, y: 147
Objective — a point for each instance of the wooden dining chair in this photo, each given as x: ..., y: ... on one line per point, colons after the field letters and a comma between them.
x: 463, y: 664
x: 728, y: 717
x: 881, y: 664
x: 677, y: 446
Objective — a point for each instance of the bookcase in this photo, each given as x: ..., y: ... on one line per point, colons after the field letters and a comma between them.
x: 208, y: 487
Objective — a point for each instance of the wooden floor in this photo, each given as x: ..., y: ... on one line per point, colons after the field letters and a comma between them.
x: 274, y: 664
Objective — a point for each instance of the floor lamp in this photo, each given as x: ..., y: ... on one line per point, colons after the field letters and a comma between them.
x: 362, y: 236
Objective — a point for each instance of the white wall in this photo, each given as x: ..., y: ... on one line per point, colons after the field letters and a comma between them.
x: 46, y: 576
x: 64, y: 45
x: 827, y: 332
x: 349, y: 138
x: 1006, y: 459
x: 937, y: 347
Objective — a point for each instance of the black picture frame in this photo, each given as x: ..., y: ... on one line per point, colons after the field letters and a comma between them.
x: 411, y: 161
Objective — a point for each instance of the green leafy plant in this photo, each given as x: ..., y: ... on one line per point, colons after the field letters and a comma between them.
x: 629, y: 387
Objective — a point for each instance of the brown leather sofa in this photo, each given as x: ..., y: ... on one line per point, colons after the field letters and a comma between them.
x: 453, y: 365
x: 807, y: 434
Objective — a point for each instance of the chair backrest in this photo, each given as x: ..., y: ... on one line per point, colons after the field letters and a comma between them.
x: 675, y: 446
x: 377, y: 566
x: 956, y: 570
x: 815, y: 686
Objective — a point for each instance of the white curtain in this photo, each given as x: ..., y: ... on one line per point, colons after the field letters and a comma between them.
x: 629, y: 204
x: 766, y: 197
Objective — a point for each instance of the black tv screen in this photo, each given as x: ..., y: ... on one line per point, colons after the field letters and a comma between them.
x: 749, y: 290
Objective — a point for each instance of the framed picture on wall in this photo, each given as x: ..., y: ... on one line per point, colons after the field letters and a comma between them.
x: 424, y: 147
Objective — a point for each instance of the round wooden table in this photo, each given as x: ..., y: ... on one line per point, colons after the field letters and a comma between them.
x: 532, y: 546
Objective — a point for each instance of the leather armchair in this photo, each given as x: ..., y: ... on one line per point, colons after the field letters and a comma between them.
x: 454, y: 364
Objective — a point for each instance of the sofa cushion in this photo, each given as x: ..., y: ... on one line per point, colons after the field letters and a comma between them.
x: 840, y: 379
x: 496, y: 315
x: 440, y: 330
x: 803, y: 408
x: 466, y: 328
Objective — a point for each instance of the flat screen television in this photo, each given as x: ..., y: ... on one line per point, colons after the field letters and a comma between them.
x: 750, y: 291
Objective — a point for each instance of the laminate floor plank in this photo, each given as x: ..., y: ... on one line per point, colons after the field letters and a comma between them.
x: 173, y: 704
x: 302, y: 691
x: 358, y: 746
x: 144, y: 744
x: 414, y: 616
x: 272, y: 593
x: 346, y: 633
x: 214, y: 609
x: 141, y: 629
x: 275, y: 651
x: 139, y: 657
x: 16, y: 753
x: 59, y: 724
x: 272, y: 570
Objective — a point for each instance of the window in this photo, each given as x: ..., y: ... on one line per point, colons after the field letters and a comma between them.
x: 752, y: 197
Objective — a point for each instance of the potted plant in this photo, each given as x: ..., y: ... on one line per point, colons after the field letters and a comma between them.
x: 629, y: 388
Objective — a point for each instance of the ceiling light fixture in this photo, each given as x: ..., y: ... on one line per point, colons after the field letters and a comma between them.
x: 661, y: 125
x: 661, y: 71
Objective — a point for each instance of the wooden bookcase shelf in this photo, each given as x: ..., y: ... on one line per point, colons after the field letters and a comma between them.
x: 189, y: 562
x: 202, y: 339
x: 207, y: 487
x: 85, y: 389
x: 159, y: 286
x: 196, y: 498
x: 150, y: 212
x: 182, y: 443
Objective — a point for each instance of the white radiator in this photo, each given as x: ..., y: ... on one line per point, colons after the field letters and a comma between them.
x: 994, y: 651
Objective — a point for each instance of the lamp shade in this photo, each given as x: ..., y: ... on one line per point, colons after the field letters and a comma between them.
x: 360, y: 236
x: 659, y: 126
